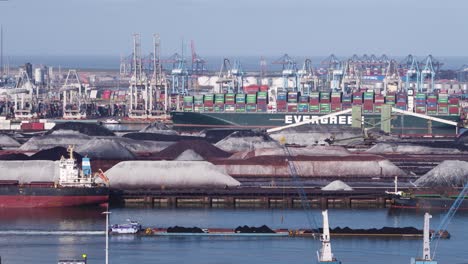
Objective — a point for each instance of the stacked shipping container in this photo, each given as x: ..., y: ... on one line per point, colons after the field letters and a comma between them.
x: 320, y: 102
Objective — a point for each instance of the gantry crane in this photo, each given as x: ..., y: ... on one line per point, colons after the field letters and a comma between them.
x: 351, y: 78
x: 392, y: 76
x: 74, y: 96
x: 288, y: 72
x: 179, y: 74
x: 308, y: 80
x: 413, y: 73
x: 198, y: 63
x: 427, y: 71
x: 230, y: 77
x: 334, y: 71
x: 23, y: 95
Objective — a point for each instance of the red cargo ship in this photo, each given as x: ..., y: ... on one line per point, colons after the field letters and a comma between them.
x: 75, y: 188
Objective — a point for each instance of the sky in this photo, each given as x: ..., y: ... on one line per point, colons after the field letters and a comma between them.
x: 237, y: 27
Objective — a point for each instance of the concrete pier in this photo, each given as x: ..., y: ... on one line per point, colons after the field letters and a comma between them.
x: 257, y: 197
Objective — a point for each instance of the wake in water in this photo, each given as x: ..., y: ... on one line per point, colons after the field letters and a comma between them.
x: 51, y: 232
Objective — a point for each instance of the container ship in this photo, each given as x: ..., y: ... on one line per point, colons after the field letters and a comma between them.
x: 75, y: 188
x: 263, y: 110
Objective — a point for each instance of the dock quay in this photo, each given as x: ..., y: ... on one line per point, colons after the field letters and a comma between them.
x: 257, y: 197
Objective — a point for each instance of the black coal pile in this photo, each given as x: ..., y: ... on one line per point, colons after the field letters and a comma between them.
x: 181, y: 229
x: 201, y: 147
x: 14, y: 156
x: 159, y: 128
x: 214, y: 135
x: 252, y: 229
x: 251, y: 133
x: 159, y: 137
x: 55, y: 154
x: 83, y: 128
x: 371, y: 231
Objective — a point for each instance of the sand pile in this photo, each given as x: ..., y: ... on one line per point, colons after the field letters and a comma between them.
x: 201, y: 147
x: 83, y: 128
x: 409, y: 149
x: 8, y: 142
x: 303, y: 151
x: 55, y: 139
x: 105, y: 149
x: 337, y: 186
x: 30, y: 170
x: 246, y: 140
x: 159, y: 128
x: 448, y: 173
x: 350, y: 166
x: 168, y: 174
x: 189, y: 155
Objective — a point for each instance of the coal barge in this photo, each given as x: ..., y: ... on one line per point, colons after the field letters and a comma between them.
x: 75, y: 188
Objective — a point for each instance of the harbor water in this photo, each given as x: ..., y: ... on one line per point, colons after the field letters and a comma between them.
x: 46, y: 235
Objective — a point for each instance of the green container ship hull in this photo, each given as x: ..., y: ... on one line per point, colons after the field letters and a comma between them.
x: 401, y: 125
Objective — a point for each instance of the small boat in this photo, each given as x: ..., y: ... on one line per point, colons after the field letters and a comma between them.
x: 131, y: 227
x: 111, y: 121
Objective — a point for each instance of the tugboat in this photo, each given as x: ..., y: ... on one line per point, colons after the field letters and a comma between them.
x: 325, y: 256
x: 426, y: 256
x: 132, y: 227
x: 75, y: 188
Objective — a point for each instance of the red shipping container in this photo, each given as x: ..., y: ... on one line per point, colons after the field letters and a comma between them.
x: 37, y: 126
x: 264, y: 88
x: 251, y: 89
x: 208, y: 103
x: 26, y: 126
x: 453, y: 100
x: 454, y: 110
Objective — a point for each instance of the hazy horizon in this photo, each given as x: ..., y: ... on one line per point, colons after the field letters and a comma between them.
x: 223, y: 28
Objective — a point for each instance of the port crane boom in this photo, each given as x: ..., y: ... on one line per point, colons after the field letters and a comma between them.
x: 450, y: 214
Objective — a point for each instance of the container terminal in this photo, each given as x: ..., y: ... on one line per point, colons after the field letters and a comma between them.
x: 340, y: 130
x: 182, y: 91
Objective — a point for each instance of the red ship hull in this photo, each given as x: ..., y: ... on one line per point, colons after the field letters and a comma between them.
x: 19, y: 201
x: 44, y: 195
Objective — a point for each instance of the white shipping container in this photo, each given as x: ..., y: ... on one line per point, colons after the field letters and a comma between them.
x: 4, y: 126
x: 15, y: 126
x: 49, y: 126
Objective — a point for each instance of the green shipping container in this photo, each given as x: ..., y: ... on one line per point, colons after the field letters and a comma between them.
x: 251, y: 99
x: 324, y: 95
x: 262, y: 95
x: 218, y: 99
x: 208, y: 98
x: 325, y: 108
x: 188, y: 99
